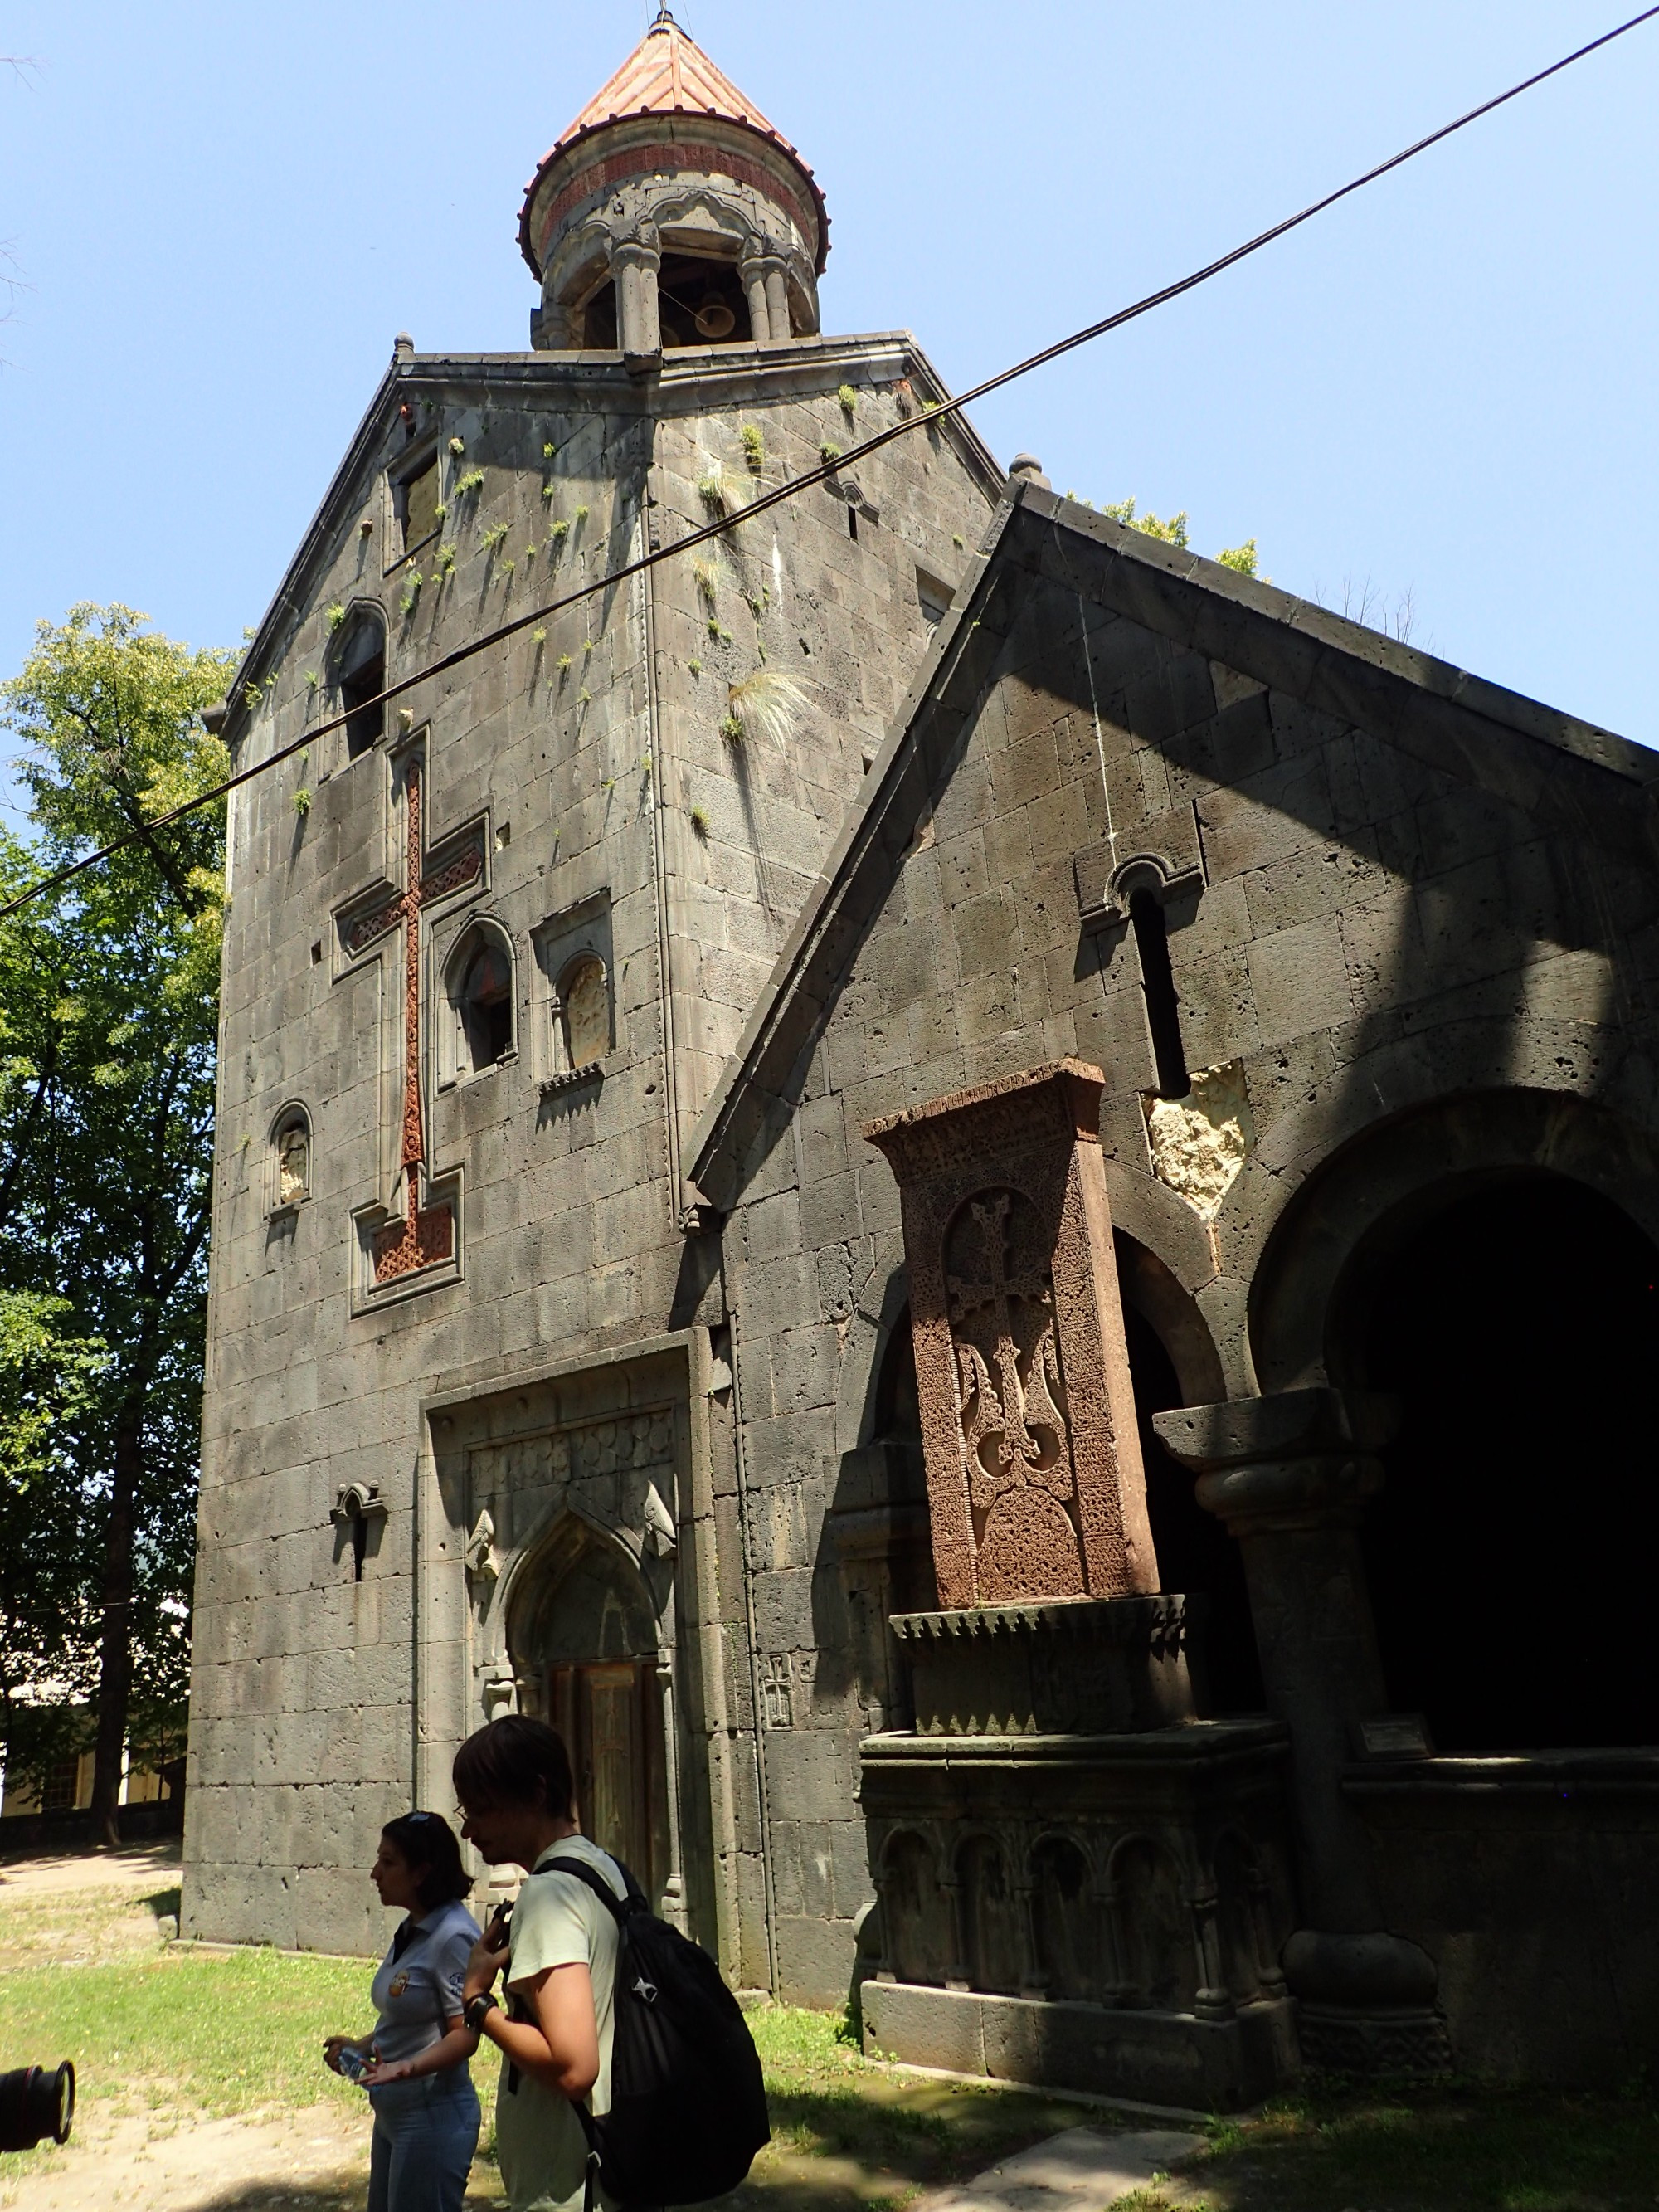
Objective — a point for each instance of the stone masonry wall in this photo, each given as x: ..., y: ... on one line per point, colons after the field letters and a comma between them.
x: 1398, y: 901
x: 581, y: 743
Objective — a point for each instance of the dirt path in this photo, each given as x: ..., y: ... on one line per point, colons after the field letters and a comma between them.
x: 318, y: 2158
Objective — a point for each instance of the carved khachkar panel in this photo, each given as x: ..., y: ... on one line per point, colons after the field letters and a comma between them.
x: 1035, y: 1484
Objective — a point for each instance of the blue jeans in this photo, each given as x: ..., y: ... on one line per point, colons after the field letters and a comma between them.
x: 425, y: 2133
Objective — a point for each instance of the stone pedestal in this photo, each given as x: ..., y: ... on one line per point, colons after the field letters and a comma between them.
x: 1080, y: 1883
x: 1290, y: 1475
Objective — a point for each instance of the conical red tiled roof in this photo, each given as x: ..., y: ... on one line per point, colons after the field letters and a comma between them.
x: 669, y: 74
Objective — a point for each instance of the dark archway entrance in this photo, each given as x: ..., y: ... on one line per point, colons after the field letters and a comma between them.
x: 584, y: 1643
x: 1510, y: 1553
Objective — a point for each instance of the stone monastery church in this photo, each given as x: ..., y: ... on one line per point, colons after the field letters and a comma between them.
x: 978, y: 1197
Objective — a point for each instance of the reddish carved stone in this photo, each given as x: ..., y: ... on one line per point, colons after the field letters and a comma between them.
x: 1035, y: 1484
x: 426, y: 1234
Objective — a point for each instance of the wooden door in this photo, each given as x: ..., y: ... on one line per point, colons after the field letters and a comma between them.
x: 602, y: 1711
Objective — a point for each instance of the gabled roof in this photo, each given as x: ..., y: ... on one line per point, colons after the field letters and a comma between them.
x: 1569, y: 773
x: 669, y: 74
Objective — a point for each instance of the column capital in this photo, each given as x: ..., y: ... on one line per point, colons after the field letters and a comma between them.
x: 635, y: 253
x: 1295, y: 1459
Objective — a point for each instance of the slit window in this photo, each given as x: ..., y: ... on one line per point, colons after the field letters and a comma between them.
x: 1163, y: 1002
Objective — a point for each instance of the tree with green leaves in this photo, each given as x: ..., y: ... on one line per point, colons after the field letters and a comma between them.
x: 109, y: 1020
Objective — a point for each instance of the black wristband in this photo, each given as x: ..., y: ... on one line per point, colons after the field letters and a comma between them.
x: 476, y: 2010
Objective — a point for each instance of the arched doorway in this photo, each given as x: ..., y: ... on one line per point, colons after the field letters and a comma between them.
x: 1510, y: 1554
x: 583, y: 1635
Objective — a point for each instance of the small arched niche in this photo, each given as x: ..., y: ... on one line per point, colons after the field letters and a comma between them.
x: 581, y: 1014
x: 480, y: 993
x: 583, y: 1637
x: 359, y: 677
x: 290, y: 1158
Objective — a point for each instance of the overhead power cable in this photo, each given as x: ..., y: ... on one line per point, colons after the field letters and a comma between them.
x: 827, y: 470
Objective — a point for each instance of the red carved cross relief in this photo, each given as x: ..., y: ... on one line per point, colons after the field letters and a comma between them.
x: 426, y: 1234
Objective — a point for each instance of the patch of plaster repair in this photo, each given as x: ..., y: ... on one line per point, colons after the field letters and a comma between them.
x: 1199, y: 1143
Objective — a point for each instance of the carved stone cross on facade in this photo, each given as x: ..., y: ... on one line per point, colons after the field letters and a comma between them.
x: 425, y: 1236
x: 1028, y: 1426
x: 1034, y: 1486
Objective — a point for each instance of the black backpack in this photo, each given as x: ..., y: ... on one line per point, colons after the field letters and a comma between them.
x: 688, y: 2104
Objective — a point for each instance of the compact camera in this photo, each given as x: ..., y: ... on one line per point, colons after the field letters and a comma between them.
x: 37, y: 2104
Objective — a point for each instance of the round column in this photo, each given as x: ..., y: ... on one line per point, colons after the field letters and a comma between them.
x: 777, y: 302
x: 752, y: 274
x: 634, y: 266
x: 1290, y: 1476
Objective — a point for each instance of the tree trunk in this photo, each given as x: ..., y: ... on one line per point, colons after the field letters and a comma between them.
x: 115, y: 1639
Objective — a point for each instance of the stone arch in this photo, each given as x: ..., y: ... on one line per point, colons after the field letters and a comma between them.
x: 992, y: 1939
x: 586, y: 1639
x: 1151, y: 1922
x: 1248, y: 1943
x: 1065, y: 1919
x: 290, y: 1158
x: 1402, y: 1166
x: 916, y: 1916
x: 582, y: 1011
x: 481, y: 994
x: 1486, y: 1261
x: 357, y: 668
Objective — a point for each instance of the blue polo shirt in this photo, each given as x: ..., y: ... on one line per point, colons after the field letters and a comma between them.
x: 417, y: 1991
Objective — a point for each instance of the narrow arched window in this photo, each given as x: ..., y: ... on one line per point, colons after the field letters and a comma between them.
x: 360, y: 671
x: 583, y: 1012
x: 483, y: 1001
x: 291, y: 1148
x: 1163, y: 1002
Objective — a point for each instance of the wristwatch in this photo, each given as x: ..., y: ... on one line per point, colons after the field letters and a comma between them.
x: 476, y: 2010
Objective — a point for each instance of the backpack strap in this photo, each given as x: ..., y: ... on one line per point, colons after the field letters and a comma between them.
x: 593, y: 1879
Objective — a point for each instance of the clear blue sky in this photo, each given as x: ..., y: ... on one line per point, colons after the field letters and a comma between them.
x: 226, y: 213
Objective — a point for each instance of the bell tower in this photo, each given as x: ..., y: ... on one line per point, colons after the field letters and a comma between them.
x: 670, y: 213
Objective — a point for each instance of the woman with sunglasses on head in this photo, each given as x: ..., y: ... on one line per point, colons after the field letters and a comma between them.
x: 413, y: 2065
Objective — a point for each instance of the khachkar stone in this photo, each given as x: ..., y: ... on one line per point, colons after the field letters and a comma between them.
x: 1036, y: 1490
x: 1080, y: 1881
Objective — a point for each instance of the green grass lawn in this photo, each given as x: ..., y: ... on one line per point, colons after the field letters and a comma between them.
x: 1452, y: 2150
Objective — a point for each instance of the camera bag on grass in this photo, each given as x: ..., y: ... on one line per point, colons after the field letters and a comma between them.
x: 688, y: 2105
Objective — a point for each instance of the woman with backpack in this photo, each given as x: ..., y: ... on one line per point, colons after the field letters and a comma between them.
x: 514, y: 1783
x: 413, y: 2065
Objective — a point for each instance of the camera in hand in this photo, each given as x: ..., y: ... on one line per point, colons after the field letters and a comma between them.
x: 36, y: 2102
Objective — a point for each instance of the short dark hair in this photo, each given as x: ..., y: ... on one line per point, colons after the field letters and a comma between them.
x: 515, y: 1761
x: 433, y: 1854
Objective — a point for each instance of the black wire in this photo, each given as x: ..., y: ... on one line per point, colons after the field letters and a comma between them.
x: 828, y: 469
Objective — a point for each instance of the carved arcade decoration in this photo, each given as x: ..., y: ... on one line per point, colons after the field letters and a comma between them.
x: 1034, y: 1485
x: 424, y: 1236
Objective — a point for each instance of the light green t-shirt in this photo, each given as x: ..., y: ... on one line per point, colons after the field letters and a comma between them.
x: 557, y: 1922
